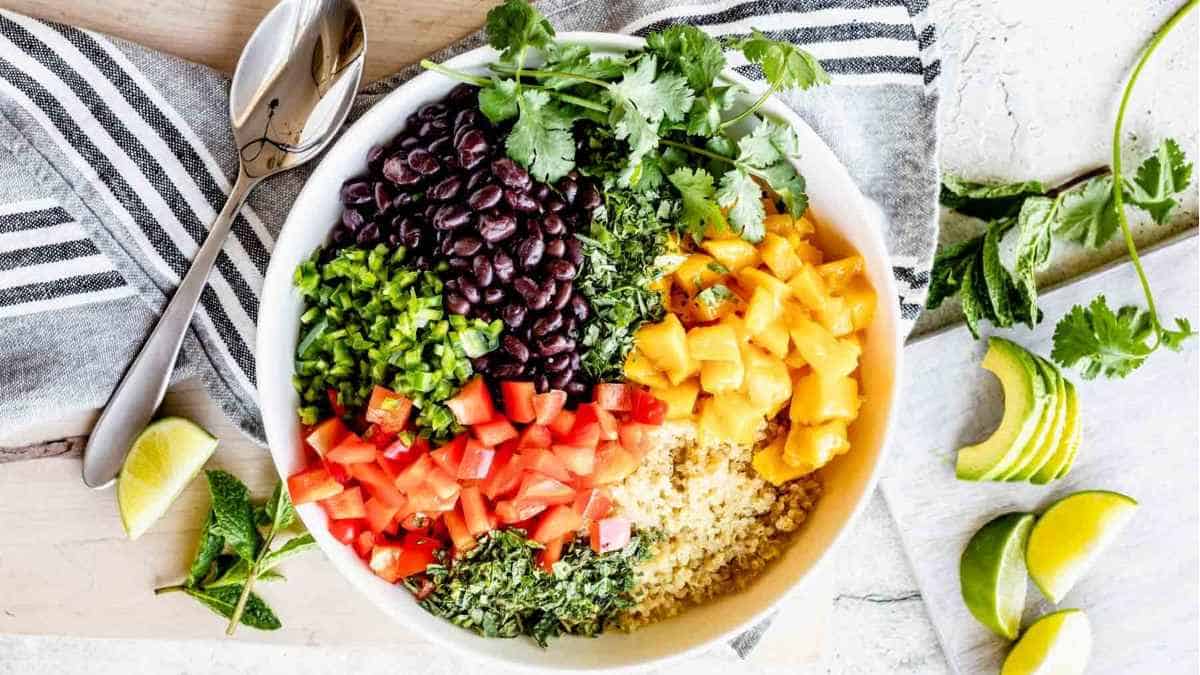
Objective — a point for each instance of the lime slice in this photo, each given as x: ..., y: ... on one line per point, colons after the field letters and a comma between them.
x: 163, y: 460
x: 1070, y: 535
x: 992, y: 573
x: 1056, y: 644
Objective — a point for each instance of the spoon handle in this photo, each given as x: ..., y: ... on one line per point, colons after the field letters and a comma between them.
x: 143, y: 386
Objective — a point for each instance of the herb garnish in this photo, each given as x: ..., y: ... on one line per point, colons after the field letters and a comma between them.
x: 498, y: 590
x: 223, y: 581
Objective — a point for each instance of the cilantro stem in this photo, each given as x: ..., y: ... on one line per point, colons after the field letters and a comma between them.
x: 752, y: 109
x: 712, y: 155
x: 536, y: 73
x: 1118, y: 185
x: 169, y: 589
x: 455, y: 74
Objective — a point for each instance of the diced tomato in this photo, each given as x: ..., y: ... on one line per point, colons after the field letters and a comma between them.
x: 326, y: 435
x: 346, y: 504
x: 534, y: 436
x: 415, y: 522
x: 379, y: 514
x: 442, y: 483
x: 364, y: 543
x: 388, y: 409
x: 450, y: 455
x: 613, y: 396
x: 476, y: 461
x: 473, y: 404
x: 338, y: 471
x: 584, y: 435
x: 511, y: 512
x: 550, y: 555
x: 424, y: 500
x: 313, y: 484
x: 335, y: 402
x: 510, y: 446
x: 505, y: 476
x: 613, y: 463
x: 557, y: 521
x: 375, y: 435
x: 591, y: 413
x: 580, y: 460
x: 609, y: 534
x: 518, y: 401
x: 459, y: 534
x: 377, y: 483
x: 346, y: 531
x: 420, y: 542
x: 414, y: 474
x: 403, y: 449
x: 646, y: 408
x: 475, y: 511
x: 415, y: 556
x: 593, y: 503
x: 495, y: 432
x: 547, y: 406
x: 634, y: 438
x: 539, y: 489
x: 386, y: 562
x: 544, y: 461
x: 353, y: 450
x: 561, y: 424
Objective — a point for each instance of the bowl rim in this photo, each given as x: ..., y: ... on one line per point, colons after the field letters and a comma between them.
x: 277, y: 278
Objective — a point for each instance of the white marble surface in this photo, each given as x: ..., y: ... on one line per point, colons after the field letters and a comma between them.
x: 1031, y: 91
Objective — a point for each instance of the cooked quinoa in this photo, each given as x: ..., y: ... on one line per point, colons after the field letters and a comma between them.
x: 721, y: 522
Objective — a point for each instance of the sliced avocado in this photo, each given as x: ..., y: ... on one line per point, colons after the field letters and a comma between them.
x: 1060, y: 463
x: 1025, y: 398
x: 1050, y: 440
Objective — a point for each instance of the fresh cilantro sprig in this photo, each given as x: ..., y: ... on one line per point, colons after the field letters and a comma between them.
x: 785, y: 66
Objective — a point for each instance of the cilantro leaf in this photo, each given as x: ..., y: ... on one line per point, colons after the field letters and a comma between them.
x: 1158, y: 179
x: 743, y: 197
x: 1102, y: 341
x: 1088, y: 214
x: 641, y: 100
x: 515, y: 26
x: 576, y: 59
x: 699, y: 206
x: 1173, y: 339
x: 704, y: 119
x: 541, y: 139
x: 769, y: 151
x: 690, y: 50
x: 987, y: 200
x: 498, y: 101
x: 785, y: 66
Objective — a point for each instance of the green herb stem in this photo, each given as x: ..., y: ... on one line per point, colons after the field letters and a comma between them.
x: 455, y: 74
x: 700, y: 151
x: 483, y: 82
x: 752, y: 109
x: 1072, y: 183
x: 1118, y: 187
x: 542, y: 74
x: 169, y: 589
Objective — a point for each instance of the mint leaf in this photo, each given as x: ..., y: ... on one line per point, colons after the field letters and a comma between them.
x: 541, y: 139
x: 699, y: 206
x: 233, y: 517
x: 1158, y: 179
x: 279, y: 508
x: 1088, y: 214
x: 258, y: 614
x: 785, y: 66
x: 290, y: 549
x: 987, y: 201
x: 951, y: 266
x: 1034, y: 226
x: 233, y: 571
x: 1102, y: 341
x: 515, y: 26
x: 498, y: 101
x: 743, y: 197
x: 996, y: 278
x: 211, y: 545
x: 691, y: 51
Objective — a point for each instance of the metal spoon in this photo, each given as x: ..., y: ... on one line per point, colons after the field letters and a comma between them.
x: 291, y: 92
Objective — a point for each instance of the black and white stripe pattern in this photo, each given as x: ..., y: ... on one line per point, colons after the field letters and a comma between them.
x: 48, y: 263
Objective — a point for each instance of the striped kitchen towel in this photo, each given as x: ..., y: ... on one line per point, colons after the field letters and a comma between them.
x: 114, y: 159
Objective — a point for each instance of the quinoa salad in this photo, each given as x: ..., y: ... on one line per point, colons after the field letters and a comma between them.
x: 573, y: 356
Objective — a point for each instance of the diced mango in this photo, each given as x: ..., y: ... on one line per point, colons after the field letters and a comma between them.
x: 795, y: 360
x: 762, y: 311
x: 835, y: 315
x: 824, y: 352
x: 718, y: 377
x: 662, y: 286
x: 680, y: 398
x: 860, y: 297
x: 732, y: 253
x: 729, y: 417
x: 808, y: 287
x: 767, y: 383
x: 769, y: 464
x: 690, y: 368
x: 812, y: 447
x: 699, y: 272
x: 640, y: 369
x: 817, y: 399
x: 838, y: 273
x: 774, y: 338
x: 807, y: 252
x: 718, y: 342
x: 738, y: 324
x: 712, y: 303
x: 664, y: 343
x: 779, y: 256
x: 751, y: 278
x: 803, y: 226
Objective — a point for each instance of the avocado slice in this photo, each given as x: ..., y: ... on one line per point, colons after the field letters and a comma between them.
x: 1025, y: 398
x: 1054, y: 421
x: 1064, y: 457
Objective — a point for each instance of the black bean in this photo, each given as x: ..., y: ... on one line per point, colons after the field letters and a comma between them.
x: 560, y: 380
x: 423, y: 262
x: 562, y: 270
x: 533, y: 229
x: 576, y: 361
x: 426, y: 130
x: 470, y: 160
x: 430, y: 111
x: 467, y: 245
x: 557, y: 363
x: 555, y: 248
x: 589, y: 196
x: 553, y: 224
x: 506, y: 370
x: 527, y: 287
x: 356, y: 191
x: 493, y: 296
x: 541, y: 299
x: 429, y: 210
x: 403, y: 199
x: 580, y: 308
x: 540, y: 191
x: 451, y: 285
x: 515, y: 348
x: 568, y: 188
x: 469, y: 290
x: 576, y: 388
x: 368, y: 235
x: 467, y: 118
x: 473, y: 142
x: 342, y: 235
x: 520, y: 201
x: 439, y: 146
x: 457, y: 303
x: 478, y: 178
x: 503, y: 266
x: 423, y: 162
x: 485, y: 197
x: 451, y: 216
x: 547, y: 324
x: 510, y: 174
x: 553, y: 204
x: 383, y: 195
x: 482, y: 267
x: 408, y: 143
x: 446, y: 246
x: 562, y: 296
x: 513, y: 315
x: 575, y: 252
x: 447, y: 189
x: 352, y: 219
x: 541, y: 384
x: 397, y: 170
x: 375, y: 157
x: 463, y: 95
x: 496, y: 226
x: 529, y: 252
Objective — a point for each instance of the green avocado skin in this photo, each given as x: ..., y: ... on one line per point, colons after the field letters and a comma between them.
x: 1025, y: 399
x: 1050, y: 432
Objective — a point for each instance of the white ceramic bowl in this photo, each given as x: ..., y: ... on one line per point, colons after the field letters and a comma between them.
x: 845, y: 222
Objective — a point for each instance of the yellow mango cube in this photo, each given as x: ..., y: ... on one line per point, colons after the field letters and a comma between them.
x: 762, y: 311
x: 690, y: 368
x: 729, y: 417
x: 664, y: 343
x: 838, y: 273
x: 824, y: 352
x: 718, y: 377
x: 774, y: 338
x: 680, y: 398
x: 781, y: 224
x: 712, y: 303
x: 860, y: 298
x: 808, y: 287
x: 835, y: 315
x: 718, y: 342
x: 795, y: 360
x: 769, y: 464
x: 640, y: 369
x: 812, y: 447
x: 807, y: 252
x: 767, y: 384
x: 817, y: 399
x: 699, y: 272
x: 734, y: 254
x: 779, y: 256
x: 751, y: 278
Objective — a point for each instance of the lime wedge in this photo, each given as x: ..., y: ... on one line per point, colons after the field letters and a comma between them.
x: 163, y: 460
x: 1056, y: 644
x: 992, y: 573
x: 1070, y: 535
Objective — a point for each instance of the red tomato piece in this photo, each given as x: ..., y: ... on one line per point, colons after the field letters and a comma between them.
x: 557, y: 521
x: 365, y: 543
x: 353, y: 450
x: 584, y: 435
x: 377, y: 483
x: 561, y: 425
x: 379, y: 514
x: 476, y: 461
x: 539, y: 489
x: 347, y: 504
x: 544, y: 461
x: 590, y: 413
x: 613, y: 396
x: 346, y: 531
x: 414, y: 474
x: 417, y: 555
x: 495, y: 432
x: 415, y: 522
x: 473, y: 404
x: 424, y: 500
x: 547, y: 406
x: 388, y: 409
x: 326, y: 435
x: 443, y: 484
x: 404, y: 448
x: 460, y: 536
x: 550, y: 555
x: 505, y: 476
x: 534, y: 436
x: 511, y: 512
x: 335, y: 402
x: 313, y: 484
x: 338, y: 471
x: 450, y: 455
x: 609, y: 534
x: 376, y: 436
x: 612, y: 464
x: 646, y: 408
x: 385, y: 562
x: 518, y: 401
x: 634, y: 437
x: 580, y: 460
x: 475, y: 511
x: 593, y: 503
